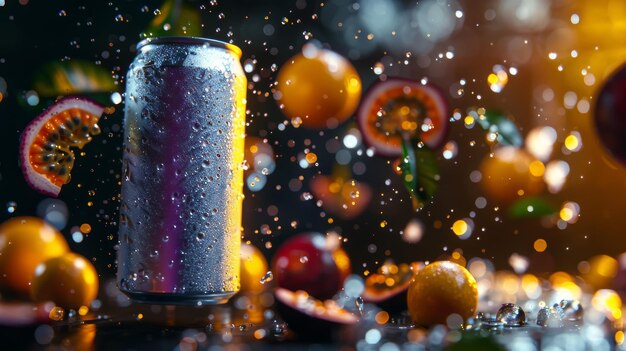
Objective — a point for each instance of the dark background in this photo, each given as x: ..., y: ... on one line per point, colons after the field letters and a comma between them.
x: 38, y: 32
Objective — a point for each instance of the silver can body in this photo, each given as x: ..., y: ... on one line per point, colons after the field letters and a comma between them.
x: 182, y: 179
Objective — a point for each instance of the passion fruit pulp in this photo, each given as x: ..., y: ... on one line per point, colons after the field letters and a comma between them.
x: 312, y: 319
x: 388, y: 288
x: 45, y: 147
x: 398, y: 108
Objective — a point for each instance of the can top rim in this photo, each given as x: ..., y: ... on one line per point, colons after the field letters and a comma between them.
x: 191, y: 41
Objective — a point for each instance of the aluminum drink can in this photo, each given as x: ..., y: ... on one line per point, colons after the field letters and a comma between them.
x: 182, y: 177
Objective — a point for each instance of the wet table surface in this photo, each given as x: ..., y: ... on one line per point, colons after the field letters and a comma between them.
x: 250, y: 323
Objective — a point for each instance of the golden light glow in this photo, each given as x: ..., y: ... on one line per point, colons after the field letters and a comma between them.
x: 469, y: 120
x: 83, y: 310
x: 565, y: 286
x: 572, y: 143
x: 619, y: 337
x: 537, y: 168
x: 566, y: 214
x: 540, y: 245
x: 530, y: 285
x: 459, y: 227
x: 609, y: 302
x: 311, y: 158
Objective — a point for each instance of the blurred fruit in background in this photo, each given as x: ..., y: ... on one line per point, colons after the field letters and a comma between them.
x: 70, y: 281
x: 318, y: 88
x: 610, y: 115
x: 253, y: 269
x: 311, y: 262
x: 344, y: 198
x: 24, y: 243
x: 510, y: 174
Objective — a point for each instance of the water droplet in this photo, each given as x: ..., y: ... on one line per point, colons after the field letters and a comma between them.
x: 304, y: 259
x: 511, y: 315
x: 62, y: 13
x: 200, y: 236
x: 572, y: 310
x: 549, y: 317
x: 268, y: 277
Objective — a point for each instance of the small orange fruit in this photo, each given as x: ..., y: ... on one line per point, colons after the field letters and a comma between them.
x: 253, y: 268
x: 24, y: 243
x: 70, y: 281
x: 511, y: 174
x: 440, y: 289
x: 320, y: 87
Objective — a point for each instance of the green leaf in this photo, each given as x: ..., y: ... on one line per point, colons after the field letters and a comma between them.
x: 497, y: 122
x: 531, y: 207
x: 176, y: 18
x: 74, y: 77
x: 473, y: 341
x: 420, y: 172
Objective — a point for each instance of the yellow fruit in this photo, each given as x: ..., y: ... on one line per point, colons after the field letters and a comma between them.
x: 440, y: 289
x: 70, y: 281
x: 253, y: 268
x: 320, y: 87
x: 510, y: 174
x: 24, y: 243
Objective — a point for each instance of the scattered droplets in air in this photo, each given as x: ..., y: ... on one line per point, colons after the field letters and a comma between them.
x: 378, y: 68
x: 450, y: 150
x: 268, y: 277
x: 119, y: 18
x: 62, y: 13
x: 498, y: 78
x: 11, y: 206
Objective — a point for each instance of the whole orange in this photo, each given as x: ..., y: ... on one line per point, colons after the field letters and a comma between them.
x: 253, y: 269
x: 510, y: 174
x: 24, y: 243
x: 440, y: 289
x: 319, y: 86
x: 70, y: 281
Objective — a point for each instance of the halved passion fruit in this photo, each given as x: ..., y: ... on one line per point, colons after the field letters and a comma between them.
x: 310, y: 318
x: 45, y: 147
x: 398, y: 108
x: 388, y: 287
